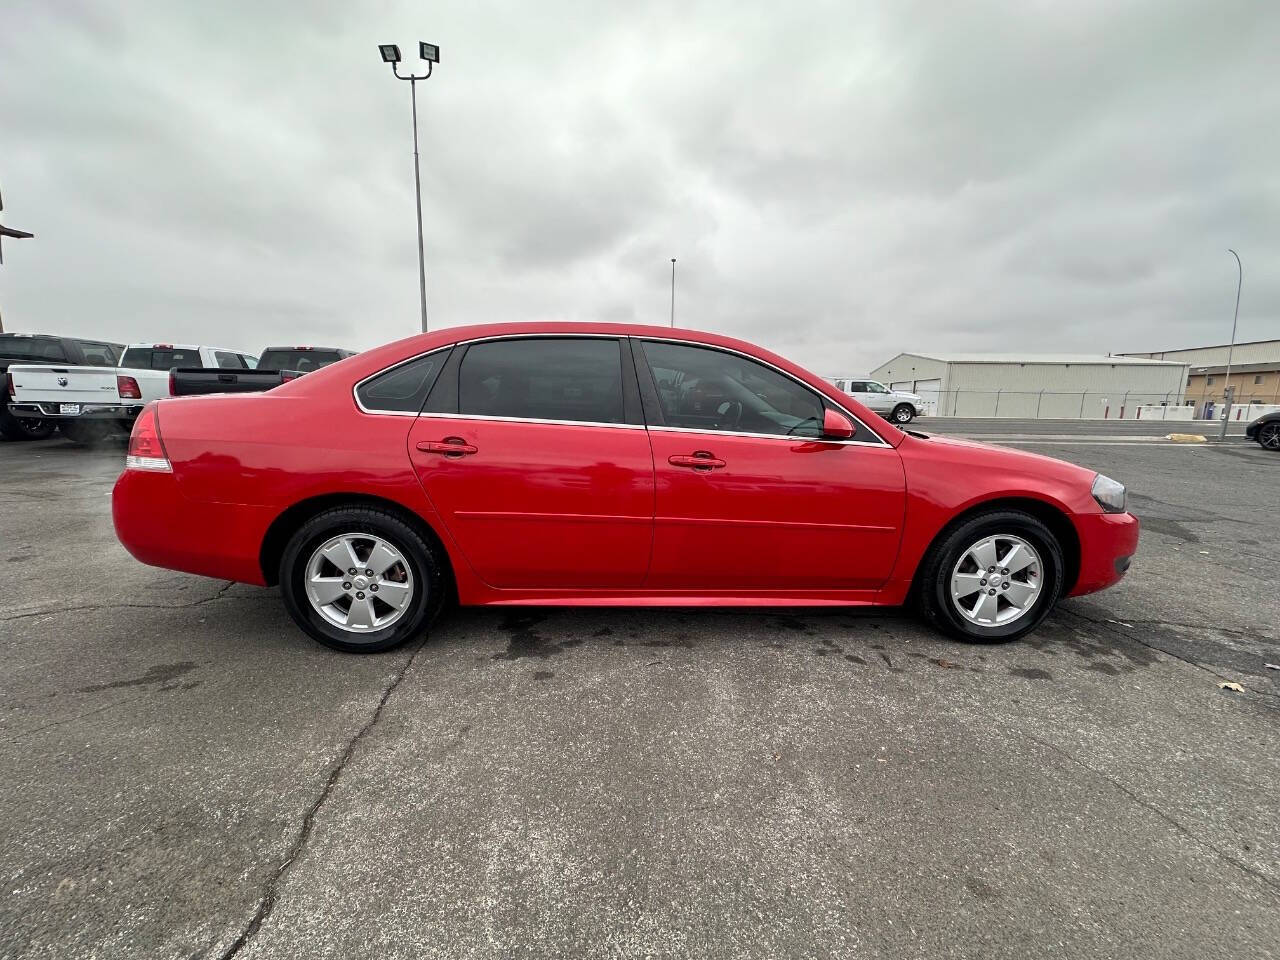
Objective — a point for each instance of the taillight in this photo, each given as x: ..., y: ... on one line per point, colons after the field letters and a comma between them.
x: 128, y: 388
x: 9, y: 377
x: 287, y: 375
x: 173, y: 383
x: 146, y: 449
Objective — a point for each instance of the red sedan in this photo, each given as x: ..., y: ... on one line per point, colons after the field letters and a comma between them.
x: 578, y: 464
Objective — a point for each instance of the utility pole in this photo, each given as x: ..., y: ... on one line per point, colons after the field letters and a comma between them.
x: 673, y: 291
x: 16, y: 235
x: 1227, y: 392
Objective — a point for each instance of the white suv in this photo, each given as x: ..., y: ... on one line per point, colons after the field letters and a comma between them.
x: 891, y: 404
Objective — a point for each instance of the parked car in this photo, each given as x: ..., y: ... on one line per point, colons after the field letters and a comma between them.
x: 25, y: 348
x: 89, y: 403
x: 1265, y: 430
x: 276, y: 366
x: 601, y: 464
x: 301, y: 359
x: 896, y: 405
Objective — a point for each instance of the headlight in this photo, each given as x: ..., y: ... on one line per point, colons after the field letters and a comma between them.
x: 1109, y: 494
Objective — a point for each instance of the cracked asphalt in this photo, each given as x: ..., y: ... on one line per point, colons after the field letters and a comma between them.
x: 183, y: 774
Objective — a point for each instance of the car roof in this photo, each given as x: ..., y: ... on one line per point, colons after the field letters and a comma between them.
x: 371, y: 361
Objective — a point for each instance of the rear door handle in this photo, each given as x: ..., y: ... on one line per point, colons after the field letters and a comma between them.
x: 452, y: 447
x: 702, y: 460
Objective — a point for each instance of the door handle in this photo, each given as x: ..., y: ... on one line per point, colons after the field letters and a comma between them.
x: 702, y: 460
x: 451, y: 447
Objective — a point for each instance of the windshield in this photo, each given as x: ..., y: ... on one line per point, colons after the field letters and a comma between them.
x: 295, y: 359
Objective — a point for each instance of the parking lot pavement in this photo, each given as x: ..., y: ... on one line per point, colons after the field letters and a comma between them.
x: 183, y: 774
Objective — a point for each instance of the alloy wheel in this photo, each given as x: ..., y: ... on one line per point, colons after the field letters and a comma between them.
x: 1269, y: 436
x: 996, y: 580
x: 359, y: 582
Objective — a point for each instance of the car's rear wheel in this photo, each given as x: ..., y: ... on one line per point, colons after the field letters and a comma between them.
x: 993, y: 578
x: 360, y: 579
x: 25, y: 428
x: 903, y: 413
x: 1269, y: 436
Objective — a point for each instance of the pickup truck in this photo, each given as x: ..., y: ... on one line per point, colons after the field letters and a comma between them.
x: 276, y: 366
x: 88, y: 403
x: 895, y: 405
x: 198, y: 381
x: 25, y: 348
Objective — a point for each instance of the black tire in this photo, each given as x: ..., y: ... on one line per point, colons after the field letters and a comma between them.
x: 24, y: 428
x: 903, y: 413
x: 426, y: 562
x: 1269, y: 435
x: 933, y: 585
x: 88, y: 433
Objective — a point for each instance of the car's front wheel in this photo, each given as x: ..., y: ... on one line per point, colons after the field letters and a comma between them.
x: 903, y: 413
x: 993, y: 578
x: 361, y: 580
x: 1269, y: 436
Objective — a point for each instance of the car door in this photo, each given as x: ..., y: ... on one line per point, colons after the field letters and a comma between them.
x: 749, y: 497
x: 534, y: 453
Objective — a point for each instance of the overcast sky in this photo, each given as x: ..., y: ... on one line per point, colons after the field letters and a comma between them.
x: 839, y: 181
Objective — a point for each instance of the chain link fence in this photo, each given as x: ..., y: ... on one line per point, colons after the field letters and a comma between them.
x: 1087, y: 405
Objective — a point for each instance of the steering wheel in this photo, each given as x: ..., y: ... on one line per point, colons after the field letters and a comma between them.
x: 729, y: 415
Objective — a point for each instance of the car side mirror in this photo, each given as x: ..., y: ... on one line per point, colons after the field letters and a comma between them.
x: 836, y: 426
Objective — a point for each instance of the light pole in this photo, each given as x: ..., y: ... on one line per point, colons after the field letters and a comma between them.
x: 14, y: 234
x: 673, y: 291
x: 1226, y: 390
x: 431, y: 54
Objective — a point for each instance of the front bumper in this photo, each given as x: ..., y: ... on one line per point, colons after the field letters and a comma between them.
x: 1251, y: 431
x: 85, y: 411
x: 1108, y: 542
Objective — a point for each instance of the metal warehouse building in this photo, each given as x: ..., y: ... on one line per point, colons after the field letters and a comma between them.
x: 1033, y: 385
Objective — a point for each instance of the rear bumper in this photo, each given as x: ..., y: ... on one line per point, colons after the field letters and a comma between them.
x: 88, y: 411
x: 163, y: 528
x: 1108, y: 542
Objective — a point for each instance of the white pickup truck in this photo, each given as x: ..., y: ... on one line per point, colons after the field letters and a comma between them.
x: 895, y: 405
x: 89, y: 403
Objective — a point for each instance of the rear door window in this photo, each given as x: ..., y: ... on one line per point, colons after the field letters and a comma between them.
x: 575, y: 380
x: 228, y: 361
x: 99, y: 354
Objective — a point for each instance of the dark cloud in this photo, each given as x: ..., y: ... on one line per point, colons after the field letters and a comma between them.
x: 838, y: 181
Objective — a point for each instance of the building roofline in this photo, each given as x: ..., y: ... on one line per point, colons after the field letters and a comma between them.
x: 1209, y: 346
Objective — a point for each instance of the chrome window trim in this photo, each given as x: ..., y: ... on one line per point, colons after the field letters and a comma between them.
x: 880, y: 441
x: 563, y: 423
x: 355, y: 390
x: 795, y: 438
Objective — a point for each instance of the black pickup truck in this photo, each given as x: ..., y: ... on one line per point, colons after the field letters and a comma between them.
x: 19, y: 348
x: 196, y: 381
x: 276, y: 366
